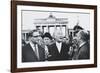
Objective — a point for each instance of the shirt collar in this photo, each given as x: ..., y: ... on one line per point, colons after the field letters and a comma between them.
x: 82, y: 44
x: 32, y: 45
x: 59, y: 46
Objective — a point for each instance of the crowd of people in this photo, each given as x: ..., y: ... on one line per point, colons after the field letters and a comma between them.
x: 44, y: 47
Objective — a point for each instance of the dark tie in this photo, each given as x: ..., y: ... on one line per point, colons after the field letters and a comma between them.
x: 36, y: 51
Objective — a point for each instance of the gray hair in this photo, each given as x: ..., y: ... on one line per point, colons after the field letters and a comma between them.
x: 84, y: 35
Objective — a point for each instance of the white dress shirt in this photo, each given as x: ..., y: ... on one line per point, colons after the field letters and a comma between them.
x: 59, y: 46
x: 32, y: 45
x: 82, y: 44
x: 35, y: 49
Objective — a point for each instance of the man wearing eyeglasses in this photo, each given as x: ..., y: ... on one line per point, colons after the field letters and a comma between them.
x: 33, y: 52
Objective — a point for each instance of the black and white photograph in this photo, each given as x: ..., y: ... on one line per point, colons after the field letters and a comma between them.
x: 49, y: 36
x: 55, y: 36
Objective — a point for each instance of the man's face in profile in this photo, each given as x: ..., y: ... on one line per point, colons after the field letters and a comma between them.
x: 78, y: 37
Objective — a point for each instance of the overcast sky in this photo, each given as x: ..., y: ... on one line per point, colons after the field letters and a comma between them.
x: 29, y: 16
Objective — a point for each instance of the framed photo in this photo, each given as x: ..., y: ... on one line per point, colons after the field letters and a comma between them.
x: 52, y: 36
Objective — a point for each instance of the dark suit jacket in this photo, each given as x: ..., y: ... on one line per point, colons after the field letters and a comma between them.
x: 28, y: 55
x: 84, y: 52
x: 54, y: 53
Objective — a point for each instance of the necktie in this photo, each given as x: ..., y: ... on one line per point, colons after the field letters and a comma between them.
x: 36, y: 51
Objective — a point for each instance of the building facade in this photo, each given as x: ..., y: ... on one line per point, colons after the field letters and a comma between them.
x: 50, y: 24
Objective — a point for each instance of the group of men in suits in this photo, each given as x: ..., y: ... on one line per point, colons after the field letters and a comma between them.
x: 58, y: 50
